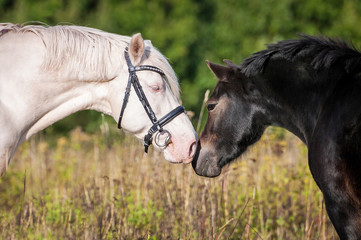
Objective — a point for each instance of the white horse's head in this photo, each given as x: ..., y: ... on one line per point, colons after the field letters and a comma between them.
x: 162, y: 93
x: 66, y: 69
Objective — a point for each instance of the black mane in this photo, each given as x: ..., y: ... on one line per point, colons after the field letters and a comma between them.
x: 325, y: 51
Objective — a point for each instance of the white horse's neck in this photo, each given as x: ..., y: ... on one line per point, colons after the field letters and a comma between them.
x: 32, y: 98
x: 68, y: 98
x: 62, y: 96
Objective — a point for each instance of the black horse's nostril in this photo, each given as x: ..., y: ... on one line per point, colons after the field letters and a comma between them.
x: 196, y: 155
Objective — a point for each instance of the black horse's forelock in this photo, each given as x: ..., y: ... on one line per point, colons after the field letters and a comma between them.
x: 325, y: 52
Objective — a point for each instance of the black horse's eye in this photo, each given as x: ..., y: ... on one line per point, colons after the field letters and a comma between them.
x: 211, y: 106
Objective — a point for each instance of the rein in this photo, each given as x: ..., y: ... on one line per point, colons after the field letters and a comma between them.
x: 158, y: 125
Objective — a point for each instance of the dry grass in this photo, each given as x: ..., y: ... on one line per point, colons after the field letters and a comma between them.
x: 102, y: 187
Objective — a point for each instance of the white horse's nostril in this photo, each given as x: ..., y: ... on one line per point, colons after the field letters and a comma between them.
x: 191, y: 153
x: 192, y: 149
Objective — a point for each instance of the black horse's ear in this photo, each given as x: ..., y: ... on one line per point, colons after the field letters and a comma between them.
x: 231, y: 64
x: 220, y: 71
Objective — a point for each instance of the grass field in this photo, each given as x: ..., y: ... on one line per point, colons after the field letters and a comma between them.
x: 104, y: 187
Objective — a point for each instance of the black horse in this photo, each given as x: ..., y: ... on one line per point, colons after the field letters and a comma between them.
x: 310, y: 86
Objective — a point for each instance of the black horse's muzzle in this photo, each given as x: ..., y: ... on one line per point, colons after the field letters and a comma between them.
x: 205, y: 163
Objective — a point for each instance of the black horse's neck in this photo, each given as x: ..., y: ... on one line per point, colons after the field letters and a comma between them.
x: 298, y: 77
x: 296, y: 94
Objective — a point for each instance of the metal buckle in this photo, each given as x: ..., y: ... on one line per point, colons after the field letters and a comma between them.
x: 159, y: 136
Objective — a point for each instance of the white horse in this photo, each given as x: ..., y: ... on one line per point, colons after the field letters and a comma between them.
x: 48, y: 73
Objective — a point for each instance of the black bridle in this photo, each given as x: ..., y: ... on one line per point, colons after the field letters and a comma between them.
x: 157, y: 124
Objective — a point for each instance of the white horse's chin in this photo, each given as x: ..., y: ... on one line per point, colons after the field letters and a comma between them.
x: 170, y: 157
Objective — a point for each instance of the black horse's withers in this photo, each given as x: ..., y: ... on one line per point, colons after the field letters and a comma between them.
x: 157, y: 127
x: 309, y: 86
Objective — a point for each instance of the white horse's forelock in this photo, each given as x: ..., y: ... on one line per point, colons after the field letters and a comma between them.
x: 75, y: 49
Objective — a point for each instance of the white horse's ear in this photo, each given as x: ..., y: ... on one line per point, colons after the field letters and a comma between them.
x: 136, y: 48
x: 148, y: 43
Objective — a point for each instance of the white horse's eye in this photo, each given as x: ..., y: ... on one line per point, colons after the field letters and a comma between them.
x: 155, y: 88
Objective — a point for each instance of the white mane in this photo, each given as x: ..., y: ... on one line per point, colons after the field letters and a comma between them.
x: 74, y: 49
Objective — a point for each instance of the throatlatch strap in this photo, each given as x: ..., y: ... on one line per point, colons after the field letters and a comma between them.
x: 125, y: 101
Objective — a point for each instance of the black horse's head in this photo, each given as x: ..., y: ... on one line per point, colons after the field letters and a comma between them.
x: 236, y: 119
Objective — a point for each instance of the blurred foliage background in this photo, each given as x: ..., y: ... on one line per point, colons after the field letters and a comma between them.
x: 190, y: 31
